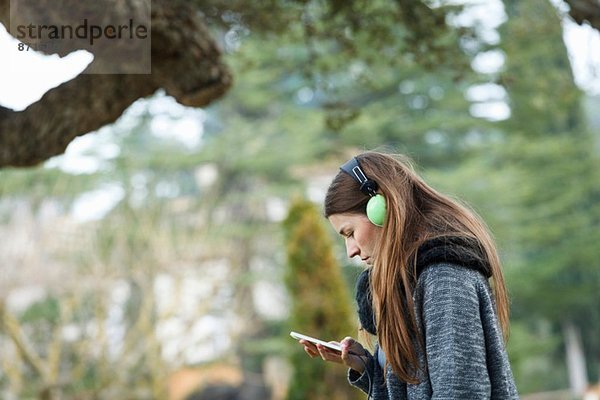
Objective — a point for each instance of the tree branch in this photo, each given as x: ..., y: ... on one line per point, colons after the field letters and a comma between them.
x: 185, y: 61
x: 585, y: 11
x: 13, y: 329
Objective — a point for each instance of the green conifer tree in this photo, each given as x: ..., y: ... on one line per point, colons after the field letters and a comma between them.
x: 321, y: 305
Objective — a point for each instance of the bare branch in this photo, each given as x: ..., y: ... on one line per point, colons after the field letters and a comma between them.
x: 12, y: 327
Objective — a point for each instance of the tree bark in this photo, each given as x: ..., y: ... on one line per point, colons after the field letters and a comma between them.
x: 585, y: 11
x: 185, y: 62
x: 575, y: 358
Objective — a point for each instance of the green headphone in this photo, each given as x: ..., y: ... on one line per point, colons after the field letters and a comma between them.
x: 376, y: 206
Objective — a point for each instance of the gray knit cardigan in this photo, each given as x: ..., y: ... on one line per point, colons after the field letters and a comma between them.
x: 464, y: 349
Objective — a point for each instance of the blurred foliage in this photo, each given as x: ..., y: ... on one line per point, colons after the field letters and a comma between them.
x: 533, y: 350
x: 46, y: 310
x: 314, y: 82
x: 556, y: 191
x: 320, y: 304
x: 331, y: 32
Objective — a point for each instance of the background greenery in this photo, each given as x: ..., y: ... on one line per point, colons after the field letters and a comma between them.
x: 203, y: 203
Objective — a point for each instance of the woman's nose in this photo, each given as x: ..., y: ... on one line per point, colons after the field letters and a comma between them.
x: 352, y: 249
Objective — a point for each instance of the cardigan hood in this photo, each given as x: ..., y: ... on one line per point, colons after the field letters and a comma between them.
x: 463, y: 251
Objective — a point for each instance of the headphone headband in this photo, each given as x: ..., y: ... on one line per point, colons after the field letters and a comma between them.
x: 352, y: 168
x: 376, y: 208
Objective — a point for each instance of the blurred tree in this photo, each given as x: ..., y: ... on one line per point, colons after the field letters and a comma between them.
x: 321, y: 305
x: 366, y: 31
x: 556, y: 185
x: 114, y: 345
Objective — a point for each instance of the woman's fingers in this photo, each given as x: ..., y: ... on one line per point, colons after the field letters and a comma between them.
x: 350, y: 343
x: 328, y: 354
x: 309, y: 352
x: 352, y: 354
x: 309, y: 348
x: 348, y: 356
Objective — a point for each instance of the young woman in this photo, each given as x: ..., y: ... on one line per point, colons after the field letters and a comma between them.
x: 425, y: 294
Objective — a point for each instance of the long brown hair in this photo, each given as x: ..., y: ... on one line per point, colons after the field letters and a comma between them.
x: 415, y: 213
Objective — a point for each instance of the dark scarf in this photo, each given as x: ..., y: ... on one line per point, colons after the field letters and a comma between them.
x: 446, y: 249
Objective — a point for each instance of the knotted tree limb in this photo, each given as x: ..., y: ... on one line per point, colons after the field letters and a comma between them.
x: 585, y: 11
x: 185, y: 62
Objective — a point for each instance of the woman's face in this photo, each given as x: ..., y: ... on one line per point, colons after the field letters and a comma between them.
x: 360, y: 235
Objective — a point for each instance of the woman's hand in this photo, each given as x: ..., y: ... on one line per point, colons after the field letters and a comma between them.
x: 353, y: 354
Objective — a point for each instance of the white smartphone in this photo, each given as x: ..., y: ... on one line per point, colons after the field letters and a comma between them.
x: 333, y: 346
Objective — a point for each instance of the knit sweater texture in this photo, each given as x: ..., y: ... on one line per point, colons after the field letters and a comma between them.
x: 463, y: 345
